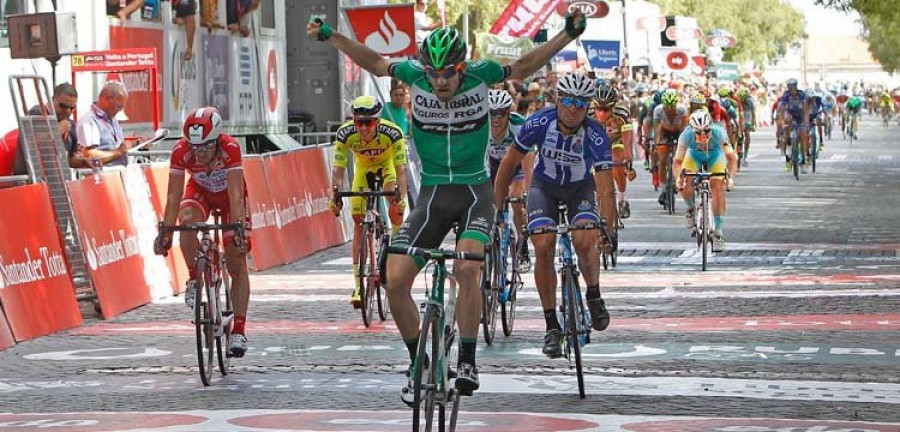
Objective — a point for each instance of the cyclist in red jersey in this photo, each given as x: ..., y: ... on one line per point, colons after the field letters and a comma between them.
x: 213, y: 160
x: 718, y: 114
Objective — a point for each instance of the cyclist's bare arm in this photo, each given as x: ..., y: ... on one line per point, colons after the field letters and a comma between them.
x: 401, y: 180
x: 362, y: 55
x: 235, y: 179
x: 535, y: 59
x: 528, y: 168
x: 337, y: 177
x: 173, y: 198
x: 606, y: 198
x: 505, y: 175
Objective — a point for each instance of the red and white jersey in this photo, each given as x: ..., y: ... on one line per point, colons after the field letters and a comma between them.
x: 214, y: 179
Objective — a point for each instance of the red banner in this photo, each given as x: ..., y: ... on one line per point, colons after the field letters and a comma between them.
x: 110, y: 243
x: 389, y: 30
x: 268, y: 250
x: 286, y: 191
x: 139, y: 108
x: 324, y: 229
x: 158, y: 180
x: 131, y: 59
x: 524, y: 17
x: 35, y: 282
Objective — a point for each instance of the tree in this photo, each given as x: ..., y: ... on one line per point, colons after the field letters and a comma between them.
x: 879, y: 20
x: 763, y: 28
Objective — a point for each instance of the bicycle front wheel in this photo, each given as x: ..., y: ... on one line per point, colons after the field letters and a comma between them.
x: 514, y: 281
x: 670, y: 191
x: 365, y: 260
x: 203, y: 325
x: 489, y: 290
x: 574, y: 326
x: 383, y: 307
x: 425, y: 383
x: 795, y: 157
x: 705, y: 217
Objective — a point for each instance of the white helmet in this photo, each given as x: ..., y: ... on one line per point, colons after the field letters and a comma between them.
x: 499, y: 100
x: 700, y: 120
x: 576, y: 84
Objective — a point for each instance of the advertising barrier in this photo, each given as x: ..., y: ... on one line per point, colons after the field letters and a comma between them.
x: 324, y: 229
x: 158, y: 180
x: 111, y: 245
x: 35, y: 283
x: 6, y: 336
x: 268, y: 249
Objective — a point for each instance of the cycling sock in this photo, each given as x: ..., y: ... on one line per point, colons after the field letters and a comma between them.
x: 239, y: 322
x: 467, y: 350
x: 550, y: 318
x: 690, y: 202
x: 593, y: 292
x: 356, y: 276
x: 412, y: 345
x: 719, y: 222
x: 395, y: 229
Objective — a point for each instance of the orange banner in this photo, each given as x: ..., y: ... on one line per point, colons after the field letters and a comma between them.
x: 268, y: 249
x: 110, y: 243
x: 35, y: 283
x: 286, y: 191
x: 158, y: 179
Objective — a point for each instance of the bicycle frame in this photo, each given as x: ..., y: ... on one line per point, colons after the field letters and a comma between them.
x: 703, y: 216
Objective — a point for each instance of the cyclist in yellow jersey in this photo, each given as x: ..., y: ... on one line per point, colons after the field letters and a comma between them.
x: 379, y: 149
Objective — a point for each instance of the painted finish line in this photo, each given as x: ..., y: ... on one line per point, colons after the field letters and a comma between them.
x: 843, y: 322
x: 378, y: 385
x: 390, y: 421
x: 349, y: 421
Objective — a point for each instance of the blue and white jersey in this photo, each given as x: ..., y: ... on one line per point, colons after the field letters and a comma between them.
x: 567, y: 160
x: 793, y: 105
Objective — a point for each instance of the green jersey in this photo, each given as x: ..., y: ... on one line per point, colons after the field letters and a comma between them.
x: 451, y: 138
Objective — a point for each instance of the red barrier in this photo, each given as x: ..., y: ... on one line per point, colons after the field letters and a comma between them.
x: 286, y: 191
x: 6, y: 336
x: 35, y: 283
x: 110, y: 243
x: 158, y: 179
x: 268, y: 248
x: 323, y: 230
x: 9, y: 145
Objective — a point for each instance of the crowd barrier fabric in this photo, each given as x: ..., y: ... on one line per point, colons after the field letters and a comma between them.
x: 268, y: 248
x: 157, y: 175
x: 111, y: 245
x: 323, y: 229
x: 6, y: 336
x: 36, y: 288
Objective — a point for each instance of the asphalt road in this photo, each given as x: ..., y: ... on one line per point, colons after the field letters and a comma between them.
x: 795, y: 328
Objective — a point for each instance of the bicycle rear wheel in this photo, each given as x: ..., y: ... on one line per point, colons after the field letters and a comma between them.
x: 489, y: 291
x: 381, y: 257
x: 425, y: 379
x: 365, y: 258
x: 223, y: 343
x: 203, y: 325
x: 573, y: 326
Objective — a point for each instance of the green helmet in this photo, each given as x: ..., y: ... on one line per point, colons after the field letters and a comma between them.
x: 442, y: 48
x: 670, y: 98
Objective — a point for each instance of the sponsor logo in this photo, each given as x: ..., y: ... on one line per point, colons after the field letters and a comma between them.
x: 561, y: 157
x: 466, y: 112
x: 119, y: 248
x: 46, y: 264
x: 388, y: 39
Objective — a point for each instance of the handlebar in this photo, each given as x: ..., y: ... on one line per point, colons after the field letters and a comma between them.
x: 435, y: 254
x: 395, y: 193
x: 202, y: 226
x: 563, y: 229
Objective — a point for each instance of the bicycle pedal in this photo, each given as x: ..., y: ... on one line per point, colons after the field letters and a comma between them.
x: 464, y: 392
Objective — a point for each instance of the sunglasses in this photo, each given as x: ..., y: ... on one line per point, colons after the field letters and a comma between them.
x: 365, y: 122
x: 67, y: 106
x: 445, y: 73
x: 701, y: 132
x: 204, y: 146
x: 499, y: 113
x: 569, y: 101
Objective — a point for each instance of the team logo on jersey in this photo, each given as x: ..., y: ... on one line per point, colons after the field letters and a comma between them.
x: 577, y: 145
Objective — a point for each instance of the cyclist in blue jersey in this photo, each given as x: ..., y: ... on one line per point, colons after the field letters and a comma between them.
x: 793, y: 111
x: 816, y: 116
x: 574, y: 159
x: 704, y: 144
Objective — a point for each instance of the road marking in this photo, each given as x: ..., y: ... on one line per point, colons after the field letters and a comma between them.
x: 99, y: 354
x: 885, y: 157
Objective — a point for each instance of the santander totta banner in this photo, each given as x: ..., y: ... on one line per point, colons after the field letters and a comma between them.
x: 523, y: 18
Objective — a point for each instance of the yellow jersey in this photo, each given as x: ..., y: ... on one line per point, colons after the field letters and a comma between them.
x: 388, y: 144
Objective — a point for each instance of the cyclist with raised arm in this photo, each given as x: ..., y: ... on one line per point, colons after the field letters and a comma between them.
x: 574, y: 159
x: 505, y: 125
x: 378, y: 151
x: 704, y: 144
x: 451, y: 132
x: 213, y: 160
x: 669, y: 119
x: 793, y: 110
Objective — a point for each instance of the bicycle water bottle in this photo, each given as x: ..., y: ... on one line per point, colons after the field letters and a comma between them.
x: 96, y: 166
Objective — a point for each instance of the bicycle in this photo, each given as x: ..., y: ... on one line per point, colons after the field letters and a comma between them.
x: 670, y: 182
x: 813, y: 146
x: 854, y: 127
x: 374, y: 236
x: 703, y: 216
x: 500, y: 280
x: 576, y: 332
x: 431, y: 383
x: 212, y: 319
x: 795, y: 151
x: 885, y: 117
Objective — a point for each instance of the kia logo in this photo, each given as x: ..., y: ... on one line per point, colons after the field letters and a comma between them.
x: 587, y: 8
x: 590, y: 8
